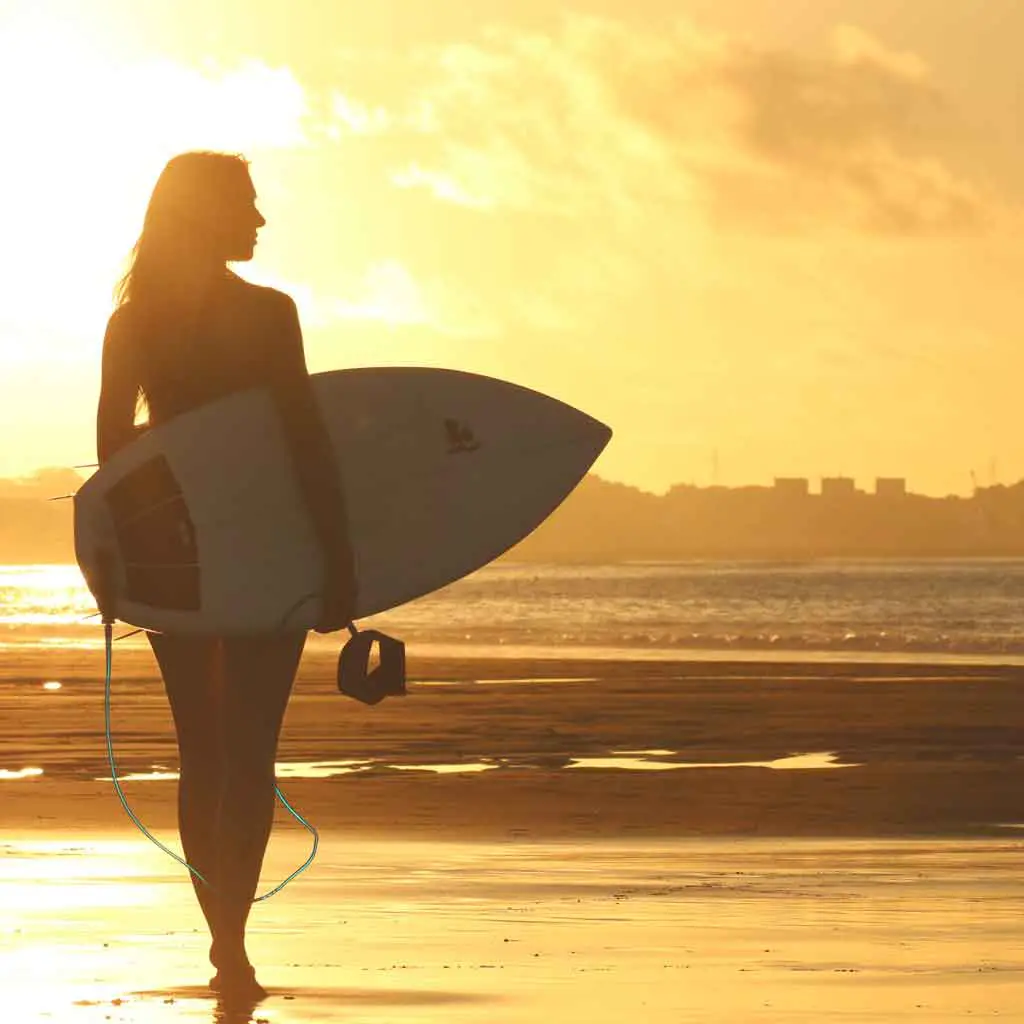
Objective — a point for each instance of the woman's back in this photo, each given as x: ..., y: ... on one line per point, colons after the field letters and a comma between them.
x: 234, y: 338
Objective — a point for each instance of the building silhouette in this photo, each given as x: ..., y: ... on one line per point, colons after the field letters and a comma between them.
x: 838, y: 487
x: 890, y: 487
x: 792, y: 486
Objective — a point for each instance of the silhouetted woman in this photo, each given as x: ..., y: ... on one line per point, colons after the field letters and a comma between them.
x: 187, y: 331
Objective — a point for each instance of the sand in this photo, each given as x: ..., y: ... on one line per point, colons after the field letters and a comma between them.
x: 938, y: 751
x: 887, y: 890
x: 716, y: 932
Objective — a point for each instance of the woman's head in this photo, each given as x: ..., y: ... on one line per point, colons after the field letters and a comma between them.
x: 201, y: 215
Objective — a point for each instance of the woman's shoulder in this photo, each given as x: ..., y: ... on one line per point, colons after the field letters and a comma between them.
x: 261, y: 298
x: 120, y: 325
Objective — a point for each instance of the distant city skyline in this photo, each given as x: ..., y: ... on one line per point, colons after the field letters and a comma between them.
x: 606, y: 522
x: 43, y: 482
x: 865, y: 484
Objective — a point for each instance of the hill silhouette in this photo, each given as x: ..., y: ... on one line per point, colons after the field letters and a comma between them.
x: 602, y: 521
x: 36, y: 519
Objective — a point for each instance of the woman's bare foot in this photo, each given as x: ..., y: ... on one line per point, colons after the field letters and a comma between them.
x: 238, y: 984
x: 236, y: 977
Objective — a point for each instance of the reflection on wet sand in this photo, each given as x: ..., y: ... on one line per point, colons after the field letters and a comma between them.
x: 624, y: 760
x: 719, y: 931
x: 633, y: 763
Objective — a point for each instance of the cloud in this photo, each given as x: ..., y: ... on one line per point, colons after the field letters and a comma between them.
x: 358, y: 118
x: 857, y: 138
x: 440, y: 185
x: 604, y: 117
x: 386, y: 294
x: 250, y: 106
x: 853, y: 46
x: 607, y: 177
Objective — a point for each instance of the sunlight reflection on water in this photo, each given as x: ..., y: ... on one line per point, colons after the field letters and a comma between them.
x: 843, y: 610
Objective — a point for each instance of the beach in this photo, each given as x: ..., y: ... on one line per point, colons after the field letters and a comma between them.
x: 763, y: 930
x: 542, y: 839
x: 559, y: 749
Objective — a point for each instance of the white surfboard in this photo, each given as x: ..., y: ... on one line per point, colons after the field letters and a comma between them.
x: 443, y: 471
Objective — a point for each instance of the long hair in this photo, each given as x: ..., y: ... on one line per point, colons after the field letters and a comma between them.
x: 182, y: 215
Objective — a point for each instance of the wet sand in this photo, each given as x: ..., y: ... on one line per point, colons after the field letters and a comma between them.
x: 931, y: 751
x: 711, y: 931
x: 886, y: 890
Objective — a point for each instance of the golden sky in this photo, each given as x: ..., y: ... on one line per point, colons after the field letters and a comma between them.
x: 792, y: 239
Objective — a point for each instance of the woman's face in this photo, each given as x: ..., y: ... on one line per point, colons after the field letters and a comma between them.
x: 239, y: 220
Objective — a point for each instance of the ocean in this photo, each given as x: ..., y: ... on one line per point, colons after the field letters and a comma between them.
x: 947, y: 610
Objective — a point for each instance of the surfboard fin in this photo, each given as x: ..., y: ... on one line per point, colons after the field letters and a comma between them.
x: 371, y: 685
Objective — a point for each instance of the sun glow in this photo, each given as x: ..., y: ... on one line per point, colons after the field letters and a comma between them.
x: 82, y: 147
x: 95, y: 114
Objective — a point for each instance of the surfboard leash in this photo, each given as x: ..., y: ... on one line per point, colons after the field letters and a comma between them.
x: 108, y: 636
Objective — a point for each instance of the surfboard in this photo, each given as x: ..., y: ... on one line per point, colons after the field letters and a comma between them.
x: 206, y: 532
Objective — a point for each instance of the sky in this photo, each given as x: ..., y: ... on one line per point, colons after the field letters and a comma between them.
x: 755, y: 243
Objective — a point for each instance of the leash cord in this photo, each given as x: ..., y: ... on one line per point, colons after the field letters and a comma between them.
x: 108, y: 635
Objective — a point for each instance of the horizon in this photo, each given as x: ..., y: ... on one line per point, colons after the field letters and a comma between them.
x: 788, y: 242
x: 35, y: 484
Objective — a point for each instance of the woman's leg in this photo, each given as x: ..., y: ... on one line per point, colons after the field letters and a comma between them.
x: 193, y: 679
x: 258, y: 676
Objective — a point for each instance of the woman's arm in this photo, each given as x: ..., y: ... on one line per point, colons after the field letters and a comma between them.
x: 119, y: 388
x: 315, y: 467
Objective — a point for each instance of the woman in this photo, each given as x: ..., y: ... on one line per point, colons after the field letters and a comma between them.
x: 187, y: 331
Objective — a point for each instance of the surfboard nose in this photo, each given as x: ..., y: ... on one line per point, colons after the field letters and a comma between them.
x: 602, y: 432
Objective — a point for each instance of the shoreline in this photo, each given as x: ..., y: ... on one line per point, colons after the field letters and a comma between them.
x: 462, y: 662
x: 325, y: 647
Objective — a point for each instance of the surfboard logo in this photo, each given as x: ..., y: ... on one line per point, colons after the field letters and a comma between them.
x: 460, y: 437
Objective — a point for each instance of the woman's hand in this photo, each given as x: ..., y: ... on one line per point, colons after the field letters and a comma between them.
x: 339, y: 595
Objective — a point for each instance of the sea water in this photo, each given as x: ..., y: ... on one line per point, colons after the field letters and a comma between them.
x: 940, y: 610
